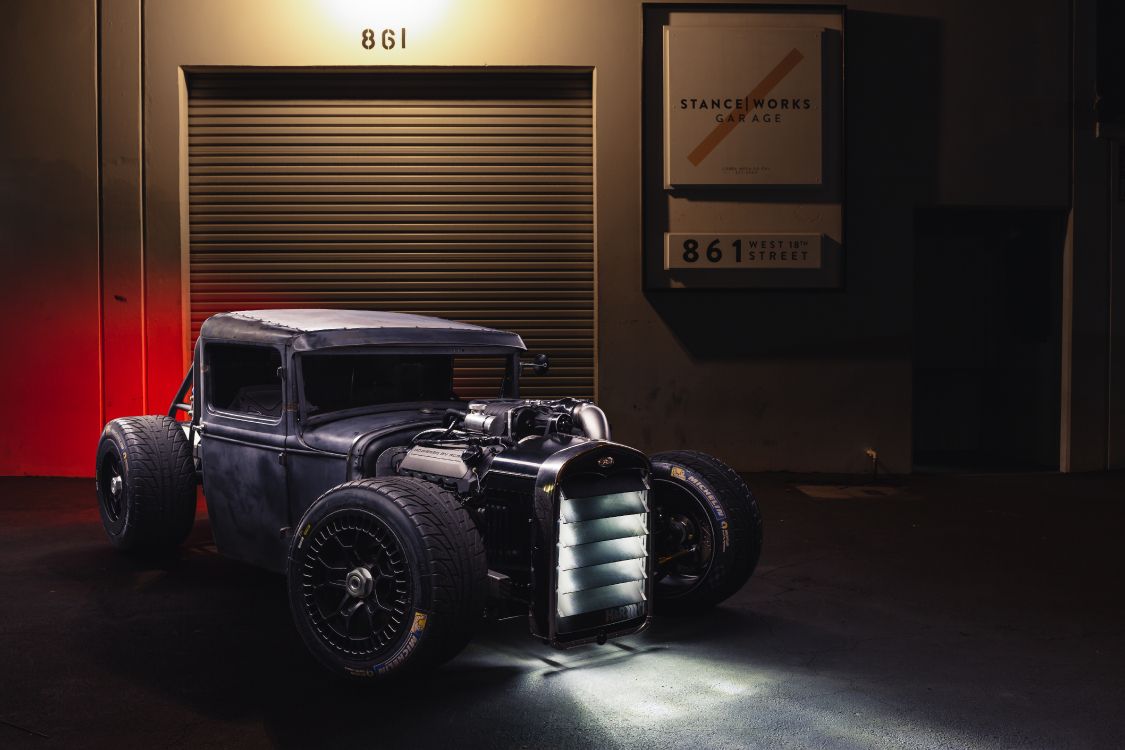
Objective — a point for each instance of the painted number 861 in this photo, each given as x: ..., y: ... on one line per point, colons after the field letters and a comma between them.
x: 388, y: 38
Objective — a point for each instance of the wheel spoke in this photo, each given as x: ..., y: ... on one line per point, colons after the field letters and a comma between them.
x: 341, y: 569
x: 339, y: 543
x: 355, y: 547
x: 379, y: 602
x: 370, y: 622
x: 349, y: 615
x: 364, y: 554
x: 339, y: 607
x: 384, y: 569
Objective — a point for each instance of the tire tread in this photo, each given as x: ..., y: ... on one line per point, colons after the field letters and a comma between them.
x: 160, y: 482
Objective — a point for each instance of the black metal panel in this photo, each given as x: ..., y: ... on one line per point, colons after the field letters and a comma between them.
x: 245, y: 488
x: 505, y: 521
x: 310, y: 475
x: 244, y: 482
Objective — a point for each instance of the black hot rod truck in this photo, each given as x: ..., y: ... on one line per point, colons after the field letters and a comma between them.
x: 333, y: 447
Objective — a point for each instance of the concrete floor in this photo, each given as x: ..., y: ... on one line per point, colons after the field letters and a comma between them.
x: 981, y: 612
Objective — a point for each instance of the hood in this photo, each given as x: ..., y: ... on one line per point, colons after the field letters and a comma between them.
x: 337, y: 435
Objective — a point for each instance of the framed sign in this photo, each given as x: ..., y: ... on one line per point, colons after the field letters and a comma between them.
x: 743, y: 147
x: 742, y: 106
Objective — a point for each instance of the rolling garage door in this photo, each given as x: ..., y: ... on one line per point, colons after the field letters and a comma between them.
x: 466, y: 196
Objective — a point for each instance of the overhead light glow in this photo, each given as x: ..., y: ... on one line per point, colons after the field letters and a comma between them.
x: 414, y: 15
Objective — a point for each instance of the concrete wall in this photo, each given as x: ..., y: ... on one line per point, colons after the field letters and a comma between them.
x: 50, y: 378
x: 961, y: 103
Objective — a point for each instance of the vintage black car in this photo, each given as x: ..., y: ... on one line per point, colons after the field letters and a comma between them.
x: 333, y: 447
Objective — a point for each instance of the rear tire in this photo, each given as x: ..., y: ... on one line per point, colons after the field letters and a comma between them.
x: 708, y: 534
x: 386, y: 576
x: 145, y: 480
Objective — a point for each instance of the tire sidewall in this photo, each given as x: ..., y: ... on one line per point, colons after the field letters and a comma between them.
x: 112, y: 442
x: 414, y: 644
x: 710, y: 500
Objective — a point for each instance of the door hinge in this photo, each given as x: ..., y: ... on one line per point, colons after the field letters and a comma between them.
x: 281, y: 458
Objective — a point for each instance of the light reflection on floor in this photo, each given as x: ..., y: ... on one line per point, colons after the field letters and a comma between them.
x: 655, y: 691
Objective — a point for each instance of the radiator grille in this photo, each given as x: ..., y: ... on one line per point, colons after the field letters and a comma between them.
x: 602, y: 559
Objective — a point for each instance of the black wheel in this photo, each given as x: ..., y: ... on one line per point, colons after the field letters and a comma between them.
x: 707, y: 531
x: 146, y: 483
x: 386, y: 576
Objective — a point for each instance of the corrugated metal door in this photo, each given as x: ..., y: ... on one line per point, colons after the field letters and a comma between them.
x: 467, y: 196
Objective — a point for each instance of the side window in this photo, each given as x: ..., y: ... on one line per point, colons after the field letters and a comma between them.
x: 243, y: 379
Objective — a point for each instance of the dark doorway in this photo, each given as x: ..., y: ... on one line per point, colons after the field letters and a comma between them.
x: 987, y: 338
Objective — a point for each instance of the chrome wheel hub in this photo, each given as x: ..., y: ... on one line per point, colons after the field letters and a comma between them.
x: 359, y: 583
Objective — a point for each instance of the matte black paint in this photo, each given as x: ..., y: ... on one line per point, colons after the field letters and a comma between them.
x: 261, y: 475
x: 305, y: 330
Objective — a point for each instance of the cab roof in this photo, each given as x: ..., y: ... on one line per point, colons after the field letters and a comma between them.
x: 310, y: 329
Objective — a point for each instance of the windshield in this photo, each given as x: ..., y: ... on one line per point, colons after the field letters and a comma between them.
x: 338, y: 382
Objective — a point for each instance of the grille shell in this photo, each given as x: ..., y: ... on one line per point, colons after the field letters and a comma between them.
x: 602, y: 504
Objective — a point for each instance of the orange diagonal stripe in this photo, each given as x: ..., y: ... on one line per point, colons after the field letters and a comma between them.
x: 722, y: 130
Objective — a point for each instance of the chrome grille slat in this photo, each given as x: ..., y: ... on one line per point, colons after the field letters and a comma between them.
x: 602, y: 506
x: 596, y: 576
x: 605, y: 597
x: 602, y: 529
x: 599, y: 553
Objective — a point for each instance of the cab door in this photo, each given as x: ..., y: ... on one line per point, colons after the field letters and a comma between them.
x: 243, y: 430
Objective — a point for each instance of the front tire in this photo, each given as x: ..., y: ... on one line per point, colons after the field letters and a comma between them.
x: 145, y: 480
x: 708, y: 531
x: 386, y: 576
